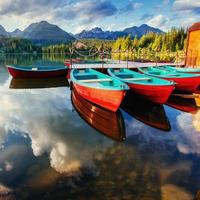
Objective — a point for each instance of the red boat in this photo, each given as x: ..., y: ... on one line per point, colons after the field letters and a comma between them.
x: 151, y: 88
x: 37, y: 72
x: 154, y: 93
x: 99, y: 88
x: 184, y: 82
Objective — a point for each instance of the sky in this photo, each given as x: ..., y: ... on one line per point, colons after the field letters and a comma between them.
x: 74, y: 16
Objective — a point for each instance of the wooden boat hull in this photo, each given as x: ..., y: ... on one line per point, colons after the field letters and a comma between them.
x: 109, y: 99
x: 17, y: 73
x: 106, y: 122
x: 157, y: 94
x: 189, y: 84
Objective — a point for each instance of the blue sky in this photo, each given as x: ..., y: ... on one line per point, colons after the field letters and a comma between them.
x: 74, y: 16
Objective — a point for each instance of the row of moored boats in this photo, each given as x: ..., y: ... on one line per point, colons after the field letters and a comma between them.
x: 108, y: 90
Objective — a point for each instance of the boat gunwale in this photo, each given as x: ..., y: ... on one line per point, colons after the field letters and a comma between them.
x: 166, y: 76
x: 183, y: 70
x: 38, y: 69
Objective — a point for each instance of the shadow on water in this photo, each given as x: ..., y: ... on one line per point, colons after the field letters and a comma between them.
x: 145, y: 111
x: 38, y: 83
x: 188, y: 105
x: 109, y: 123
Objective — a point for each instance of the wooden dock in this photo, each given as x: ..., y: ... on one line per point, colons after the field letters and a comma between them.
x: 121, y: 64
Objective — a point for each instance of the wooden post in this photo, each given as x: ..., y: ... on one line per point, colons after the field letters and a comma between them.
x: 71, y: 52
x: 187, y: 44
x: 127, y: 57
x: 102, y: 55
x: 119, y: 53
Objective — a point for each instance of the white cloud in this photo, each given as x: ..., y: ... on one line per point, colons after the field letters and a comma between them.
x: 189, y: 141
x: 131, y: 6
x: 159, y: 21
x: 8, y: 166
x: 20, y: 13
x: 165, y: 2
x: 137, y: 5
x: 186, y: 5
x: 61, y: 160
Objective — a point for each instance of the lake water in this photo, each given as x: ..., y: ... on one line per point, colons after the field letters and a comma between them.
x: 56, y: 145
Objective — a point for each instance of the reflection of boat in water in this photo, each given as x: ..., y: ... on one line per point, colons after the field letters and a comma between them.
x: 183, y: 103
x: 109, y: 123
x: 146, y: 111
x: 38, y: 83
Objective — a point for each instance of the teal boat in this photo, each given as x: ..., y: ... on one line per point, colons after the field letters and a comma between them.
x: 181, y: 70
x: 154, y: 89
x: 184, y: 81
x: 101, y: 89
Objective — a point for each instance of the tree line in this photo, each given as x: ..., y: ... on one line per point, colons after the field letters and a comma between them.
x: 151, y: 46
x: 17, y: 45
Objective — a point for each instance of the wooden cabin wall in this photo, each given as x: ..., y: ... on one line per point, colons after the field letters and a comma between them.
x: 193, y: 49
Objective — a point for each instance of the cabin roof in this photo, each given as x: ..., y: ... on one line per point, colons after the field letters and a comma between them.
x: 195, y: 27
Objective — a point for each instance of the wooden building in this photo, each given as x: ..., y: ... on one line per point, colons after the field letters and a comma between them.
x: 193, y: 46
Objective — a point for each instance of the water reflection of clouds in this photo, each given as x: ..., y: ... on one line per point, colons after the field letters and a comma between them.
x: 47, y: 118
x: 3, y: 74
x: 196, y: 121
x: 189, y: 141
x: 184, y: 134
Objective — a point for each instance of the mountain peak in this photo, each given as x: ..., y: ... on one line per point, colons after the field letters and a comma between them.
x: 44, y: 22
x: 141, y: 30
x: 16, y: 33
x: 44, y: 33
x: 96, y: 30
x: 144, y: 26
x: 17, y: 30
x: 3, y: 31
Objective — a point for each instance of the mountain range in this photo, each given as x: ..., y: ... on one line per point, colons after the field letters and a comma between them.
x: 98, y: 33
x: 46, y: 33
